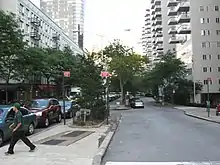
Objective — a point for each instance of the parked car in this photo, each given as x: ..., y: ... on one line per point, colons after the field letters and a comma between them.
x: 6, y: 119
x: 136, y: 103
x: 46, y: 110
x: 70, y: 109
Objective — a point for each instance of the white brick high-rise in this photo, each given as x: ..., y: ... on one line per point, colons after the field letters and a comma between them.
x: 68, y: 14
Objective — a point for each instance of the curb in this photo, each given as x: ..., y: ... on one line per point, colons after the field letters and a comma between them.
x: 198, y: 117
x: 97, y: 160
x: 202, y: 118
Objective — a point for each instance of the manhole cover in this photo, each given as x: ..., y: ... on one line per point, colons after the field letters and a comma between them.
x: 53, y: 142
x: 74, y: 134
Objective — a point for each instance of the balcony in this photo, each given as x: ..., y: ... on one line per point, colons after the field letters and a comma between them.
x: 172, y: 30
x: 157, y: 2
x: 184, y: 29
x: 159, y: 34
x: 35, y: 35
x: 159, y: 40
x: 35, y: 21
x: 55, y: 36
x: 172, y: 11
x: 158, y: 14
x: 158, y: 21
x: 172, y: 21
x: 159, y: 28
x: 183, y: 18
x: 159, y: 47
x: 174, y: 40
x: 157, y: 8
x: 183, y: 6
x: 172, y: 3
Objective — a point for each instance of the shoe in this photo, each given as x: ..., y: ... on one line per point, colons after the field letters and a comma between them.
x: 9, y: 153
x: 32, y: 149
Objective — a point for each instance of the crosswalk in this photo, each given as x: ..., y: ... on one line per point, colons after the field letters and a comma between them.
x: 163, y: 163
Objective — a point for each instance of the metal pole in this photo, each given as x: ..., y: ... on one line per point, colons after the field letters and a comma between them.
x: 194, y: 91
x: 64, y: 112
x: 107, y: 107
x: 208, y: 99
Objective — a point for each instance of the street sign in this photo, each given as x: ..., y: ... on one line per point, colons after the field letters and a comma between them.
x: 66, y: 73
x: 105, y: 74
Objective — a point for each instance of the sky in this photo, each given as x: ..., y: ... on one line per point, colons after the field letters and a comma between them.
x: 110, y: 18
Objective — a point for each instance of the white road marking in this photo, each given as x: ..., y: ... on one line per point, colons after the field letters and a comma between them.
x: 162, y: 163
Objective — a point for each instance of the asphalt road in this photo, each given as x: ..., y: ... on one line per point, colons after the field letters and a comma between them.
x: 157, y: 134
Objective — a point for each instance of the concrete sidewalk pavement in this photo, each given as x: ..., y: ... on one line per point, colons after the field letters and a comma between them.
x: 80, y: 152
x: 200, y: 113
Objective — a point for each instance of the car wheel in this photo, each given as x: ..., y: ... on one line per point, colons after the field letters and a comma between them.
x: 47, y: 122
x: 216, y: 113
x: 1, y: 139
x: 59, y: 118
x: 31, y: 129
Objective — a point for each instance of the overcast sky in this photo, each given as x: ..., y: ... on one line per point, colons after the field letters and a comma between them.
x: 109, y: 18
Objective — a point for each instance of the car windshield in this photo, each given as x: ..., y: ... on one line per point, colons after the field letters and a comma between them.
x: 39, y: 104
x: 67, y: 103
x: 2, y: 112
x: 138, y: 101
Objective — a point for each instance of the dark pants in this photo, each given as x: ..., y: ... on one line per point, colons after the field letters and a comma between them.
x: 17, y: 136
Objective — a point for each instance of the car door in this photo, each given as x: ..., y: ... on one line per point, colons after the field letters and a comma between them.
x: 50, y: 111
x: 8, y: 121
x: 56, y: 108
x: 26, y: 118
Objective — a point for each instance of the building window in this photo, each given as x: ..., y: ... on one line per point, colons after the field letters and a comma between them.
x: 203, y: 44
x: 218, y: 20
x: 216, y: 8
x: 201, y: 8
x: 206, y: 44
x: 218, y: 56
x: 204, y: 20
x: 218, y: 44
x: 204, y: 57
x: 218, y: 69
x: 217, y: 32
x: 219, y: 81
x: 205, y: 69
x: 205, y: 82
x: 205, y: 32
x: 210, y: 69
x: 210, y: 56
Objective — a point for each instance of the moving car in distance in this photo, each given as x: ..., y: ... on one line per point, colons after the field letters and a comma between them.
x: 136, y: 103
x: 7, y: 117
x: 46, y: 110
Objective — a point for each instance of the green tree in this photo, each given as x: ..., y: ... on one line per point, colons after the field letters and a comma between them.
x: 170, y: 73
x: 124, y: 63
x: 11, y: 47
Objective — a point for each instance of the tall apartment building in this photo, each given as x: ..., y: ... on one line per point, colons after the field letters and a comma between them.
x: 159, y: 28
x: 196, y: 32
x: 147, y: 37
x: 68, y: 14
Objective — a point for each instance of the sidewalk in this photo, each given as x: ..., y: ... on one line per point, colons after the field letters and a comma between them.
x: 70, y: 151
x: 200, y: 113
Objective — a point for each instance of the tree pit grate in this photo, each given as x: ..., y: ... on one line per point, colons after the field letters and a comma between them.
x: 53, y: 142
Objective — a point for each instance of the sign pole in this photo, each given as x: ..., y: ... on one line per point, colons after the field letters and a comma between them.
x: 64, y: 112
x: 208, y: 97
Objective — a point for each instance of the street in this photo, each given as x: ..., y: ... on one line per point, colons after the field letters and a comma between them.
x: 157, y: 134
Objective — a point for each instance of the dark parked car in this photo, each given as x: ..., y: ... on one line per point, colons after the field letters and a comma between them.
x: 70, y: 108
x: 136, y: 103
x: 46, y: 110
x: 6, y: 119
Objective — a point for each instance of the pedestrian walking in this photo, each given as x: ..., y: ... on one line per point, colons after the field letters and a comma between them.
x: 18, y: 132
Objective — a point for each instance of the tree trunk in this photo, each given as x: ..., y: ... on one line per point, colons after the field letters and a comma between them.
x: 6, y: 95
x: 48, y: 84
x: 122, y: 90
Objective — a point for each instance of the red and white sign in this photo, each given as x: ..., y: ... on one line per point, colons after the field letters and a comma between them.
x: 105, y: 74
x: 66, y: 73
